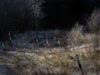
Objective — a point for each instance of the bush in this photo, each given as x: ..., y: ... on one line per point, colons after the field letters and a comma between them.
x: 94, y: 22
x: 76, y: 35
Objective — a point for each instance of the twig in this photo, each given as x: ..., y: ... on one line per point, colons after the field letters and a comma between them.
x: 79, y: 64
x: 78, y: 61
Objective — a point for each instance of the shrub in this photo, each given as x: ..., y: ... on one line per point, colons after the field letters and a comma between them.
x: 76, y: 35
x: 94, y: 21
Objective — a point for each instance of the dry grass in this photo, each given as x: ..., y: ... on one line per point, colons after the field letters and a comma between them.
x: 55, y: 62
x: 76, y: 35
x: 58, y: 61
x: 61, y: 61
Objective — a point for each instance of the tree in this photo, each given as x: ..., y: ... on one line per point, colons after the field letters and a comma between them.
x: 19, y: 15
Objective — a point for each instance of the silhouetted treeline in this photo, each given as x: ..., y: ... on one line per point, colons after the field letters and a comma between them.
x: 20, y: 15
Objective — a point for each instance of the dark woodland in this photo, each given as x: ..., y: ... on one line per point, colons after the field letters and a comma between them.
x: 19, y: 15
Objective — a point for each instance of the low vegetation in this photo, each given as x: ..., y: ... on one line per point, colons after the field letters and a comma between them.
x: 74, y: 53
x: 55, y: 62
